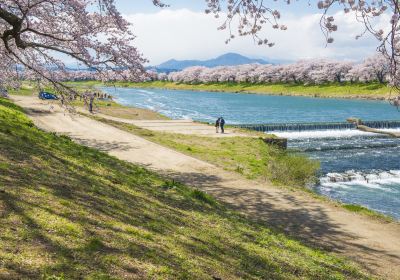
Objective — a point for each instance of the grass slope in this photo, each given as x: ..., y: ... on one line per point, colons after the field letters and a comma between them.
x: 331, y: 90
x: 249, y: 156
x: 107, y: 107
x: 71, y: 212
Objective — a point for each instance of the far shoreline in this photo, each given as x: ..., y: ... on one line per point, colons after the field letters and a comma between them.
x: 272, y: 94
x: 372, y: 91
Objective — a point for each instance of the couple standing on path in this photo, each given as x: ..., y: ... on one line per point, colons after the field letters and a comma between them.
x: 219, y: 124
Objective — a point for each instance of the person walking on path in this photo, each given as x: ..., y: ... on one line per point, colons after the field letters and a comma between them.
x: 91, y: 100
x: 217, y: 124
x: 221, y: 124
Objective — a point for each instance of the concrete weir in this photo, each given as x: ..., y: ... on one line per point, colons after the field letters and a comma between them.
x: 271, y: 127
x: 360, y: 125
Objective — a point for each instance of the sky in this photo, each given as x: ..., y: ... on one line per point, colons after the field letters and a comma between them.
x: 184, y: 31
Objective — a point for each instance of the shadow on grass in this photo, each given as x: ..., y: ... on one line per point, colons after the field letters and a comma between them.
x: 305, y: 222
x: 72, y: 212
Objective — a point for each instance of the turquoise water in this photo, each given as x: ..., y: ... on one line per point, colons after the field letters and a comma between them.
x: 356, y: 167
x: 251, y: 108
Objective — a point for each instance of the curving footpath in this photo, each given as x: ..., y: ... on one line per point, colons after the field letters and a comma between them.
x: 373, y: 244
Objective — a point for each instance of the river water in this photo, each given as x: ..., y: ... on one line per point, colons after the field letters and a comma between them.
x: 356, y: 167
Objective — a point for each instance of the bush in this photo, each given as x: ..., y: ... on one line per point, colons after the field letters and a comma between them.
x: 292, y: 169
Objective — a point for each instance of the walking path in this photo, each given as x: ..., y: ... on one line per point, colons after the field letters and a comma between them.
x: 373, y: 244
x: 176, y: 126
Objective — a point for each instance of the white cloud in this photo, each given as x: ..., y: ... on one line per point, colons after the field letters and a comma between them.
x: 184, y: 34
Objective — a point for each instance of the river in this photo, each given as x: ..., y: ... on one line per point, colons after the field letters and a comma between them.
x: 356, y: 167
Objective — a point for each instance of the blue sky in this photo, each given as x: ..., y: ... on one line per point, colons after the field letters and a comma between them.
x: 183, y: 31
x: 145, y: 6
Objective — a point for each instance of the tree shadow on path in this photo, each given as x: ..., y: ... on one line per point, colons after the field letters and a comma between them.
x: 301, y: 219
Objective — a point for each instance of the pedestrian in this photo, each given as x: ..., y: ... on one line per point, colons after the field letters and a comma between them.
x: 221, y: 124
x: 217, y: 124
x: 85, y: 99
x: 91, y: 100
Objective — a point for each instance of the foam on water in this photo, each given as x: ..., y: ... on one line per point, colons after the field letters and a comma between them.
x: 145, y: 91
x: 328, y: 133
x: 377, y: 190
x: 373, y: 179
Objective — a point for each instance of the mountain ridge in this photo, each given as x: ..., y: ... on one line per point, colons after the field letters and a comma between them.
x: 228, y: 59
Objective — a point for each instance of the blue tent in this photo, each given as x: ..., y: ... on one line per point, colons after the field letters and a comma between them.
x: 47, y: 95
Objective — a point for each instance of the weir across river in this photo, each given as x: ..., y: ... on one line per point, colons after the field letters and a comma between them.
x: 318, y: 126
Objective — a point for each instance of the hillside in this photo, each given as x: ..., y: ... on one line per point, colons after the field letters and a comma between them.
x: 71, y: 212
x: 228, y: 59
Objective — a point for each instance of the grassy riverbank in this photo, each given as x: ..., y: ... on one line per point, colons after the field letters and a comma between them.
x: 107, y: 107
x: 249, y: 156
x: 69, y: 212
x: 333, y: 90
x: 345, y: 90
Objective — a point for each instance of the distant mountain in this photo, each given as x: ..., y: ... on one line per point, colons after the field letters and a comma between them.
x: 228, y: 59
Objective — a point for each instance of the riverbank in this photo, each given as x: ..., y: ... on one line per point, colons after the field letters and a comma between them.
x: 68, y: 211
x: 317, y: 223
x: 214, y: 151
x: 371, y: 91
x: 247, y: 155
x: 243, y: 152
x: 346, y: 90
x: 107, y: 107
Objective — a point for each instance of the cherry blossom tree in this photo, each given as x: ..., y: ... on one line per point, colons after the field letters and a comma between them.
x: 9, y: 74
x: 377, y: 66
x: 34, y: 33
x: 253, y: 15
x: 312, y: 71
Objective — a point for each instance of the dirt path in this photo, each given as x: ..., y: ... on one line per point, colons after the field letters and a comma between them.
x: 176, y: 126
x: 373, y: 244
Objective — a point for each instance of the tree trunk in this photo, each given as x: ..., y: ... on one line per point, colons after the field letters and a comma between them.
x: 379, y: 75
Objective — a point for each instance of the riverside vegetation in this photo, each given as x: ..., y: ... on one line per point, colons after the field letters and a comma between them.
x: 68, y: 211
x: 369, y: 90
x: 249, y: 156
x: 329, y: 90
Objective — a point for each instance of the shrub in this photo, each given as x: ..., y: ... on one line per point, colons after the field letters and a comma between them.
x: 292, y: 169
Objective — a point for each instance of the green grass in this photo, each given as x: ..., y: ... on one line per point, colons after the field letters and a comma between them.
x: 71, y: 212
x: 345, y: 90
x: 249, y: 156
x: 25, y: 89
x: 107, y: 107
x: 367, y: 212
x: 330, y: 90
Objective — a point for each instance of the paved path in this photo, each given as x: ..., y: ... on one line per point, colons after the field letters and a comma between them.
x: 373, y: 244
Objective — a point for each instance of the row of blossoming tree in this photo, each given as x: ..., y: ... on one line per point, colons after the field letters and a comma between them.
x: 316, y: 71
